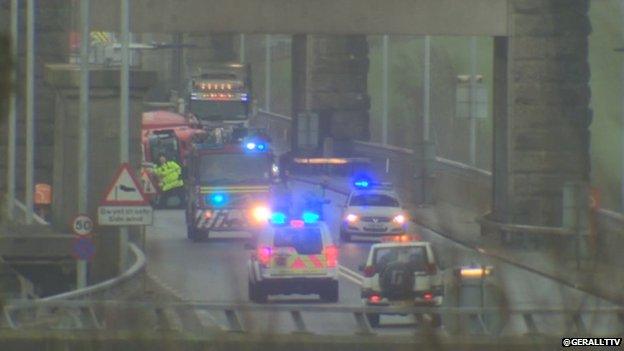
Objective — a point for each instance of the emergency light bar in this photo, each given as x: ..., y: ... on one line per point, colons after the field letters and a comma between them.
x: 365, y: 183
x: 280, y: 218
x: 322, y: 161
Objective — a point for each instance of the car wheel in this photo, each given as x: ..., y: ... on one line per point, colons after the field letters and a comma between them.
x: 257, y: 293
x: 373, y: 319
x: 330, y: 292
x: 344, y: 236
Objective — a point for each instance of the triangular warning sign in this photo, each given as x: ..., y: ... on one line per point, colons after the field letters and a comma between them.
x: 148, y: 185
x: 124, y: 190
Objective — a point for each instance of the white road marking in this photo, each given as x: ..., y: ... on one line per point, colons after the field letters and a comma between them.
x: 350, y: 275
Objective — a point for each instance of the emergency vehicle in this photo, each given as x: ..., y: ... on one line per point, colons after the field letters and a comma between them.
x: 372, y: 210
x: 228, y: 181
x: 294, y: 256
x: 402, y: 271
x: 221, y: 94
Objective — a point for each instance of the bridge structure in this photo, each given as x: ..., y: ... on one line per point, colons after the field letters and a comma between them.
x: 536, y: 188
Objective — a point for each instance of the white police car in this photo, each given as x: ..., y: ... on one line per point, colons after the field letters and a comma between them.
x: 402, y: 271
x: 294, y: 257
x: 372, y: 210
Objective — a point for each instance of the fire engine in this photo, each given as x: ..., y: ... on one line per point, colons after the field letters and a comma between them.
x: 229, y: 179
x: 221, y: 94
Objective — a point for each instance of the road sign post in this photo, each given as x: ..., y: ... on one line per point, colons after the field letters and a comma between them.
x: 82, y: 226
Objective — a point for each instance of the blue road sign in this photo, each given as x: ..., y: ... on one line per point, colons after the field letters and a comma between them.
x: 83, y: 248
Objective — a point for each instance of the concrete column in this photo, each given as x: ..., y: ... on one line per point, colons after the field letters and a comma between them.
x: 541, y: 96
x: 329, y: 76
x: 104, y: 153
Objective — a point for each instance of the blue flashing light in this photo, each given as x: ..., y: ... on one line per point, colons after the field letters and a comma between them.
x: 310, y: 217
x: 250, y: 146
x: 361, y: 184
x: 260, y: 147
x: 278, y: 218
x: 218, y: 199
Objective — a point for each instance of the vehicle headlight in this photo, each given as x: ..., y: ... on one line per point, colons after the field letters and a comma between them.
x: 351, y: 218
x: 261, y: 213
x: 399, y: 219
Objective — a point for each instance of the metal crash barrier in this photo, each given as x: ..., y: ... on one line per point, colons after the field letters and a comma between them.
x: 132, y: 315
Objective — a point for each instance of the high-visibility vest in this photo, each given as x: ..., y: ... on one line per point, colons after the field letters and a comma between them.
x: 170, y: 174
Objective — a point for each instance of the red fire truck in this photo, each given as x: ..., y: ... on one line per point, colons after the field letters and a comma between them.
x: 228, y: 186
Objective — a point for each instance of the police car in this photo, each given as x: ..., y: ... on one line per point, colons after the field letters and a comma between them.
x: 372, y: 210
x: 402, y: 271
x: 294, y: 256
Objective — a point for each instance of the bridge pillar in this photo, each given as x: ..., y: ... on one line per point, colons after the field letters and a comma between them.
x: 103, y: 149
x: 329, y: 78
x: 541, y: 110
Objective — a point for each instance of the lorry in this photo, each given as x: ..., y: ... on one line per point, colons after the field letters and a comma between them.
x: 220, y: 93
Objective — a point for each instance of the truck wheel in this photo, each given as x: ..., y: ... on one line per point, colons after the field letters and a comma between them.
x: 194, y: 234
x: 344, y: 236
x: 330, y: 292
x: 256, y: 293
x: 373, y: 319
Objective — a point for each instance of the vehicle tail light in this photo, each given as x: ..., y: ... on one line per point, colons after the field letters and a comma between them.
x: 369, y: 271
x: 431, y: 268
x: 265, y: 253
x: 428, y: 296
x: 331, y: 255
x: 374, y: 298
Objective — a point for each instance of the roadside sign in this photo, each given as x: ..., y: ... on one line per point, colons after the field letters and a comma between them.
x: 82, y: 225
x: 124, y: 202
x: 124, y: 190
x: 148, y: 185
x: 125, y: 215
x: 83, y: 248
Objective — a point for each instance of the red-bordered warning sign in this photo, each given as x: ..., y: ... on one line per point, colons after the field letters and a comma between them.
x: 125, y: 190
x: 148, y: 186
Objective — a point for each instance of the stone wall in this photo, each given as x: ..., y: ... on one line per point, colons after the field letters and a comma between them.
x: 541, y: 109
x: 329, y: 76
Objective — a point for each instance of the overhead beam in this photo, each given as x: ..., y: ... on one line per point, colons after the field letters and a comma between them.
x: 409, y: 17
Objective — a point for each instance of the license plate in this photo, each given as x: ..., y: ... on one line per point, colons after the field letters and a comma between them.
x: 375, y: 227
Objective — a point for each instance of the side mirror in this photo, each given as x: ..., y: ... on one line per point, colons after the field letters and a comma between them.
x: 361, y: 268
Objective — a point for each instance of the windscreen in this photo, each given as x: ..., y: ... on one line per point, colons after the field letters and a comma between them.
x: 167, y: 146
x: 307, y: 241
x: 414, y: 256
x: 380, y: 200
x: 230, y: 169
x: 219, y: 110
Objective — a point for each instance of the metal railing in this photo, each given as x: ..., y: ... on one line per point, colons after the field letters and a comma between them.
x: 82, y: 315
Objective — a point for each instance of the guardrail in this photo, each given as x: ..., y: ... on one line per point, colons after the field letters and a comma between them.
x: 107, y: 287
x: 166, y: 315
